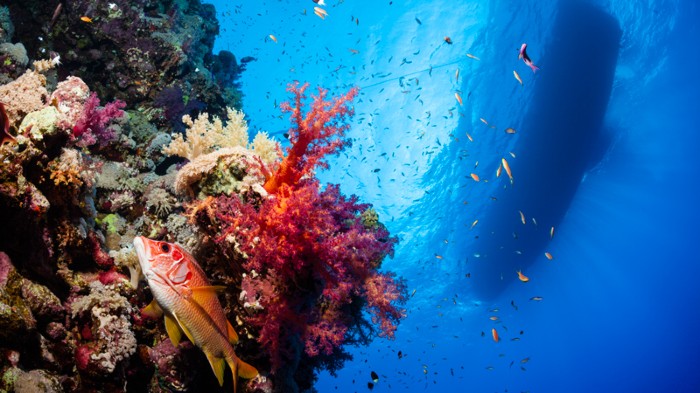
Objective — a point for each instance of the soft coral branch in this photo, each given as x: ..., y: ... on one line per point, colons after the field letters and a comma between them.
x: 314, y: 135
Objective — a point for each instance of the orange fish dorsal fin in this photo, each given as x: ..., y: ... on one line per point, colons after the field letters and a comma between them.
x: 173, y: 329
x: 153, y: 310
x: 232, y: 336
x: 218, y: 365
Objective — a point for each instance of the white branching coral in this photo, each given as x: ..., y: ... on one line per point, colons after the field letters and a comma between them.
x: 204, y: 136
x: 267, y: 148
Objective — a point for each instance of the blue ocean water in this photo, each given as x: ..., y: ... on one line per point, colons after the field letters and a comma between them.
x: 604, y: 151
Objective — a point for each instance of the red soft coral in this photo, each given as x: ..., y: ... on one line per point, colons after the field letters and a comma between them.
x: 314, y: 135
x: 310, y: 262
x: 308, y: 259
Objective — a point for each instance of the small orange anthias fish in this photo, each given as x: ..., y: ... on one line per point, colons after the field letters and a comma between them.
x: 523, y: 277
x: 182, y: 292
x: 494, y: 334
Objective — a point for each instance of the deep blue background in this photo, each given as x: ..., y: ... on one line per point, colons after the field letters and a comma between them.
x: 621, y: 297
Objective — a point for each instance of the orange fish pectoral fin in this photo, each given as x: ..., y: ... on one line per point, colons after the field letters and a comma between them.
x: 153, y: 310
x: 232, y: 336
x: 173, y: 329
x: 218, y: 365
x: 202, y: 295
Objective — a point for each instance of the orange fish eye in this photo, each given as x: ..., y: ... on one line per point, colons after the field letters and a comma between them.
x: 165, y: 247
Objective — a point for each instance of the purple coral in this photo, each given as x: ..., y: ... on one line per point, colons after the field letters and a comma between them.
x: 91, y: 128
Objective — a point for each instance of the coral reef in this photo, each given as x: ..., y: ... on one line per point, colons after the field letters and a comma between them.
x: 79, y: 180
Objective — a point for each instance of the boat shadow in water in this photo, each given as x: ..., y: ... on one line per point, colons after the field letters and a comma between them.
x: 561, y: 138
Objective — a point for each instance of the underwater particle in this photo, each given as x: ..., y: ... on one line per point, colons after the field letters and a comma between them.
x: 523, y: 277
x: 459, y: 98
x: 525, y: 360
x: 469, y: 55
x: 375, y: 377
x: 510, y: 130
x: 400, y: 354
x: 511, y: 154
x: 494, y: 335
x: 548, y: 255
x: 370, y: 385
x: 475, y: 177
x: 448, y: 40
x: 515, y: 74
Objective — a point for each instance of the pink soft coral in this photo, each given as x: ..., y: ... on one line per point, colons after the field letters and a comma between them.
x: 91, y: 128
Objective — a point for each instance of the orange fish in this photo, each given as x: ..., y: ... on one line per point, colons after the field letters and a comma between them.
x: 457, y: 75
x: 548, y: 255
x: 273, y: 38
x: 475, y: 176
x: 320, y: 12
x: 499, y: 170
x: 507, y: 168
x: 522, y: 217
x: 182, y: 292
x: 510, y: 130
x: 459, y: 98
x: 523, y: 277
x: 469, y: 55
x: 448, y: 40
x: 86, y: 19
x: 494, y: 334
x: 515, y: 74
x: 470, y: 138
x: 474, y: 224
x: 551, y: 233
